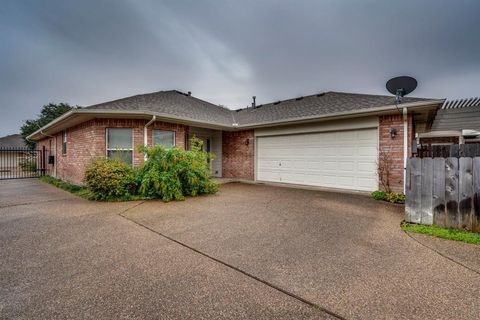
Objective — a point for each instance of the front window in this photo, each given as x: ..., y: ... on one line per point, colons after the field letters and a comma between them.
x: 119, y: 144
x: 164, y: 138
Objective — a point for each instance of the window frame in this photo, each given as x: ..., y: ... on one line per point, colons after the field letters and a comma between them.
x: 107, y: 149
x: 64, y: 142
x: 174, y: 136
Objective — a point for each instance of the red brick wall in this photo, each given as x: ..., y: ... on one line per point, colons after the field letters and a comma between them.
x: 237, y: 157
x: 87, y: 141
x: 393, y: 148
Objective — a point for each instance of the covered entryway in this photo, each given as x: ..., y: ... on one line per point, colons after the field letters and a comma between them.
x: 212, y: 142
x: 337, y: 159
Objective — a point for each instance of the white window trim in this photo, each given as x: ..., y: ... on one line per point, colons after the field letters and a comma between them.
x: 174, y: 136
x: 117, y: 149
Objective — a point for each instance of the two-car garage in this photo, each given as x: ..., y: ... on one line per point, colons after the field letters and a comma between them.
x: 343, y: 158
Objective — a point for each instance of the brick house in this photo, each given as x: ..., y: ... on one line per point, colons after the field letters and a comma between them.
x: 330, y: 139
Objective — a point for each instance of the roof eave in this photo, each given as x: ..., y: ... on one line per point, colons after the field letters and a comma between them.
x: 419, y: 105
x: 46, y: 130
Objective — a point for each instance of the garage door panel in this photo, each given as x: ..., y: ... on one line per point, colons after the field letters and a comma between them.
x: 345, y: 159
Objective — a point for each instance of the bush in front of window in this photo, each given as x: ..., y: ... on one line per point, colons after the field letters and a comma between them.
x: 172, y: 174
x: 109, y: 179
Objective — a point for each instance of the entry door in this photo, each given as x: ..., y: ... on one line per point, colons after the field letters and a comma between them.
x: 340, y: 159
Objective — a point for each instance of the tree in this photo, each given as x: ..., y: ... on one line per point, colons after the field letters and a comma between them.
x: 48, y: 113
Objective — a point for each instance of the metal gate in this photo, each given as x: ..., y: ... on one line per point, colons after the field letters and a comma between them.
x: 20, y: 163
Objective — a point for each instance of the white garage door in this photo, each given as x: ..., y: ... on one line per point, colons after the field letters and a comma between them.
x: 342, y: 159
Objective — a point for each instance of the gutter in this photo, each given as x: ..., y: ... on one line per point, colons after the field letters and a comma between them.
x: 145, y: 132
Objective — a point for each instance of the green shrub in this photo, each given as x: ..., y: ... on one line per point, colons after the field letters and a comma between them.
x: 379, y: 195
x: 172, y: 174
x: 29, y: 164
x: 109, y: 179
x: 395, y: 197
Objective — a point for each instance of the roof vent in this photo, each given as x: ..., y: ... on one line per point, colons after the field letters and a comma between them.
x: 254, y: 103
x: 321, y: 94
x: 278, y: 102
x: 189, y: 93
x: 299, y: 98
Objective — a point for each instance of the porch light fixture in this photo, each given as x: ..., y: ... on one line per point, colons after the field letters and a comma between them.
x: 247, y: 142
x: 393, y: 133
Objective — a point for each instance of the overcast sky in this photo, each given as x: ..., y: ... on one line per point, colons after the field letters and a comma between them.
x: 86, y: 52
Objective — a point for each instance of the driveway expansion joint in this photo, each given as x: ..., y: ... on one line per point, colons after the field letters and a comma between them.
x: 226, y: 264
x: 32, y: 202
x: 442, y: 254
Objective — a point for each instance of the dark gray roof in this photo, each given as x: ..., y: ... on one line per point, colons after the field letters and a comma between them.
x: 173, y: 103
x: 464, y: 116
x: 315, y: 105
x: 12, y: 141
x: 185, y: 106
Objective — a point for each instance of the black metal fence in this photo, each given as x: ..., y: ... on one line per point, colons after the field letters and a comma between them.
x: 20, y: 163
x: 449, y: 151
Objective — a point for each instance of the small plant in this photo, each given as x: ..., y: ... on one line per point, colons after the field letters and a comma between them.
x: 108, y: 179
x: 379, y: 195
x: 28, y: 164
x: 393, y: 197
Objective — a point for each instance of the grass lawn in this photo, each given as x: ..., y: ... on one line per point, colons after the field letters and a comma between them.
x: 444, y: 233
x: 81, y: 191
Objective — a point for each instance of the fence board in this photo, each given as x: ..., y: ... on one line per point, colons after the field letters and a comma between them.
x: 426, y: 193
x: 465, y: 194
x: 451, y: 192
x: 439, y: 192
x: 413, y: 205
x: 476, y: 197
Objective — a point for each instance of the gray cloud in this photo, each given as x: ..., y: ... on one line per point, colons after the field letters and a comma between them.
x: 84, y: 52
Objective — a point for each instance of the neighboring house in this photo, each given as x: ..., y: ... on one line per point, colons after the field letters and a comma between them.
x: 12, y: 151
x: 457, y: 122
x: 330, y: 139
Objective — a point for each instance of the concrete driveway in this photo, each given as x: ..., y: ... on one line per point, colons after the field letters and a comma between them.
x: 249, y: 252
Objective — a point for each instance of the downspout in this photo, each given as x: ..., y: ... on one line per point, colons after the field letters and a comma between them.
x: 145, y: 132
x: 405, y: 147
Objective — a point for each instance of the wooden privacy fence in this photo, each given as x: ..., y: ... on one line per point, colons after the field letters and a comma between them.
x: 444, y: 192
x: 454, y: 150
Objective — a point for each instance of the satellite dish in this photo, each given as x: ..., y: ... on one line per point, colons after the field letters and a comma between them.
x: 401, y: 86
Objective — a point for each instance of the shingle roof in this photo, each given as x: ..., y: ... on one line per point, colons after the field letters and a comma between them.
x: 173, y: 103
x: 185, y: 106
x: 315, y: 105
x: 12, y: 141
x: 464, y: 116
